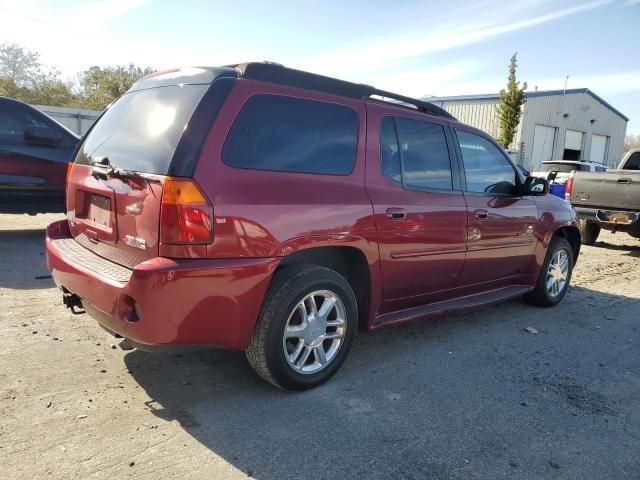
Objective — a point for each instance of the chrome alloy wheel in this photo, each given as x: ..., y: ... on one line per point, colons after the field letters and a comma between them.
x: 314, y: 332
x: 557, y: 273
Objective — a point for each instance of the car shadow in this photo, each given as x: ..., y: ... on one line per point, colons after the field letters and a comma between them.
x: 632, y: 250
x: 24, y: 264
x: 458, y: 396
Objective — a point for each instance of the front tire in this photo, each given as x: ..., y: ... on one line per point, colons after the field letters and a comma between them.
x: 589, y: 232
x: 555, y: 275
x: 305, y: 328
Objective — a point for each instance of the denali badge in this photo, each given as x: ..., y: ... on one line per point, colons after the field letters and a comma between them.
x: 135, y: 242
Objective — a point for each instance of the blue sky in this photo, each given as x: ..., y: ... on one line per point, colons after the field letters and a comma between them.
x: 412, y: 47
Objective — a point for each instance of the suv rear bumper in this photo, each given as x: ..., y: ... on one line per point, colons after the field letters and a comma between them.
x: 163, y: 301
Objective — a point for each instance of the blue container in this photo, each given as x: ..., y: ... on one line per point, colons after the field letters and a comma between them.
x: 557, y: 189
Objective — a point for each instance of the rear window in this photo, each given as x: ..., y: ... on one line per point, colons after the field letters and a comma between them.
x: 142, y: 129
x: 633, y: 162
x: 564, y: 167
x: 274, y: 132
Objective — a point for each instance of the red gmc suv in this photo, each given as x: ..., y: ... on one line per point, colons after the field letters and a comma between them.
x: 260, y: 208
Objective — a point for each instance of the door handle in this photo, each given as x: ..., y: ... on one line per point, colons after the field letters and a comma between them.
x: 480, y: 214
x: 624, y: 180
x: 396, y: 213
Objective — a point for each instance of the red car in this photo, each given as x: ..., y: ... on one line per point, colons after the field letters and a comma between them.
x: 260, y: 208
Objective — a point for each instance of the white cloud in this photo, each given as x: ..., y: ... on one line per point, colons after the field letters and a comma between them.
x: 613, y: 83
x: 464, y: 78
x: 72, y: 37
x: 423, y: 81
x: 486, y: 20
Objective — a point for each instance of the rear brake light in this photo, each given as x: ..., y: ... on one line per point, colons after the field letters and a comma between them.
x: 567, y: 188
x: 186, y: 216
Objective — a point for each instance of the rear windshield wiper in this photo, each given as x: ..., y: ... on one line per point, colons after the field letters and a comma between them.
x: 103, y: 169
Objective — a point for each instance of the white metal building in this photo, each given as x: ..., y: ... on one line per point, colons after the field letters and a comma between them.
x: 75, y: 119
x: 574, y: 124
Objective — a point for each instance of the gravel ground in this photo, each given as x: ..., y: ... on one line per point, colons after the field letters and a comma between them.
x: 464, y: 396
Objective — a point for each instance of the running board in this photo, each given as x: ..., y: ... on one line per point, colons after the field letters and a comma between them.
x: 447, y: 306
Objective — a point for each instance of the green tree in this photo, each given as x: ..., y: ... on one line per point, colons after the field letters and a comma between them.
x: 23, y: 77
x: 18, y: 69
x: 101, y: 86
x: 510, y: 106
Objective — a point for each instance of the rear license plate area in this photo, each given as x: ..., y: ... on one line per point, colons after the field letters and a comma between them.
x: 99, y: 211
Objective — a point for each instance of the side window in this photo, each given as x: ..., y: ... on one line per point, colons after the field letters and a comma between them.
x: 418, y: 157
x: 601, y: 169
x: 633, y: 163
x: 389, y: 156
x: 485, y: 167
x: 14, y: 121
x: 274, y: 132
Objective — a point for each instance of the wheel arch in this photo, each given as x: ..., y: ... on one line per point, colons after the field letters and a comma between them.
x: 350, y: 262
x: 572, y: 234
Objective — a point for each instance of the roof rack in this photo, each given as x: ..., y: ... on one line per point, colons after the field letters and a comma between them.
x: 277, y: 73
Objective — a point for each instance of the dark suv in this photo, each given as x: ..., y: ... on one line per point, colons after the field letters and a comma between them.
x: 275, y: 211
x: 35, y: 151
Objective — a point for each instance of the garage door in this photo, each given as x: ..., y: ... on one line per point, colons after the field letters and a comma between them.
x: 572, y: 145
x: 543, y: 140
x: 573, y: 140
x: 598, y: 148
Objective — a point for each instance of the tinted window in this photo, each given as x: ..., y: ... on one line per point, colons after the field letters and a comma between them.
x: 14, y: 121
x: 389, y: 156
x: 421, y: 149
x: 633, y: 162
x: 564, y: 167
x: 601, y: 169
x: 142, y: 129
x: 273, y: 132
x: 486, y: 169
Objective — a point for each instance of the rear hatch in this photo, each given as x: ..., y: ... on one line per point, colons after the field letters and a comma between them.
x: 114, y: 191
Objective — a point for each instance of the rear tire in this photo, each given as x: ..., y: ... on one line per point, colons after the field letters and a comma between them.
x: 553, y: 279
x: 589, y: 232
x: 292, y: 323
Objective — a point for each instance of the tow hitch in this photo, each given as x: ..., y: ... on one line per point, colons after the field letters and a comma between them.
x: 73, y: 303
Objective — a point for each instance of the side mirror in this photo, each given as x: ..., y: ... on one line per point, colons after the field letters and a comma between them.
x: 536, y: 186
x: 42, y: 136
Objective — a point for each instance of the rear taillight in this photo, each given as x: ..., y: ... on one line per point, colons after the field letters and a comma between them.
x: 567, y: 188
x: 66, y: 181
x: 186, y: 216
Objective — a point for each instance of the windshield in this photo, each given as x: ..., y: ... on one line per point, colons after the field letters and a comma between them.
x: 142, y: 129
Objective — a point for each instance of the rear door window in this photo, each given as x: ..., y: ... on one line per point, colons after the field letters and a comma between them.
x: 415, y: 153
x: 486, y: 169
x: 389, y: 151
x: 141, y: 130
x: 274, y: 132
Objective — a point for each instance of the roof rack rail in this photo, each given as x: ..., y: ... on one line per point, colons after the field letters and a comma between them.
x: 277, y: 73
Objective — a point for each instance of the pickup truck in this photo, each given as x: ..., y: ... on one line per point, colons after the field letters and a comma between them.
x: 609, y: 200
